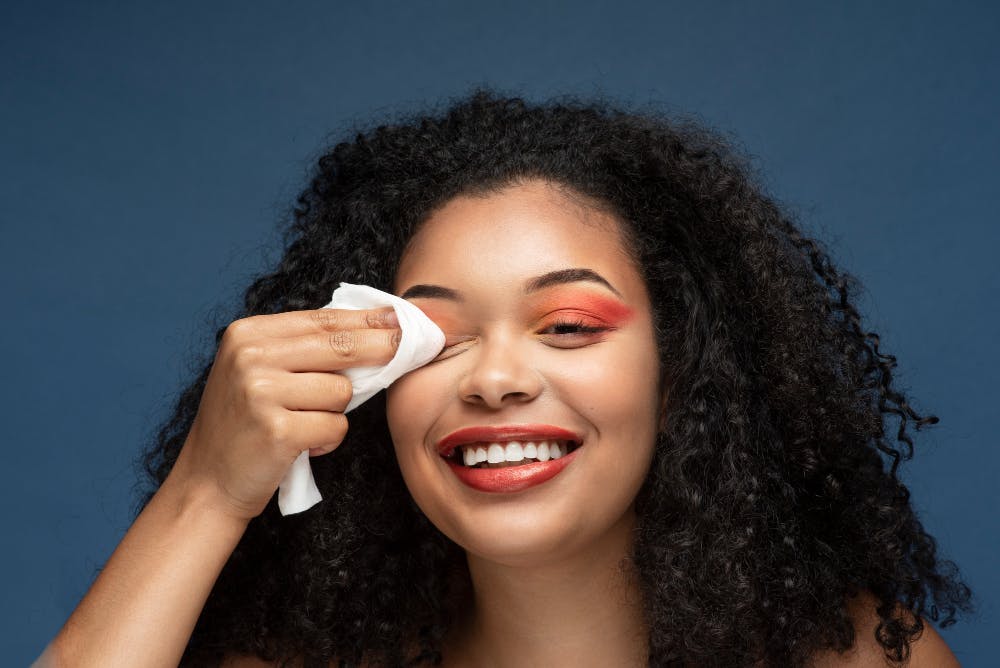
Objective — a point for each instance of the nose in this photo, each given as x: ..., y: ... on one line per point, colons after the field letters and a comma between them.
x: 500, y: 374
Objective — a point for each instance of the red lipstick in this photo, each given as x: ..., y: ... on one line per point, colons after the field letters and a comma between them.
x: 511, y: 478
x: 508, y: 432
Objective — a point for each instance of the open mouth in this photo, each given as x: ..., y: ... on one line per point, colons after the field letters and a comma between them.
x: 506, y: 454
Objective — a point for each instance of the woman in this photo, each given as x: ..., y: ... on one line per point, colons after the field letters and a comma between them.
x: 719, y: 489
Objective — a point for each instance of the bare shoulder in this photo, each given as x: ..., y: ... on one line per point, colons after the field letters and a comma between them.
x: 928, y: 650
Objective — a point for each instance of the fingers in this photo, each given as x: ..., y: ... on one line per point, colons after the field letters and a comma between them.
x: 318, y: 321
x: 319, y: 340
x: 328, y: 351
x: 311, y: 410
x: 317, y: 431
x: 273, y: 392
x: 313, y: 392
x: 323, y: 450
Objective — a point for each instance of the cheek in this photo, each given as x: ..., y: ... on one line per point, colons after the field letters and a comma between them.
x: 617, y: 393
x: 399, y: 407
x: 614, y: 379
x: 411, y: 404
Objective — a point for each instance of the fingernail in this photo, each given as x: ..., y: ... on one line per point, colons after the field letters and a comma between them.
x: 391, y: 319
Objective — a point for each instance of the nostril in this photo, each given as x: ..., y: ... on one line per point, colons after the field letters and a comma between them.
x: 507, y: 398
x: 494, y: 380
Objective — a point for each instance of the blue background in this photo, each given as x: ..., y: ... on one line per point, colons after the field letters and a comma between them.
x: 148, y: 150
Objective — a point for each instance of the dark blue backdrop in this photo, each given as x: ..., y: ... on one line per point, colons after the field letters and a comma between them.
x: 148, y: 150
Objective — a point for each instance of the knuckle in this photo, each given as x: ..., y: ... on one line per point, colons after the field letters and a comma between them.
x: 247, y: 356
x: 257, y: 389
x: 236, y: 331
x: 277, y: 430
x: 326, y: 318
x: 376, y: 319
x: 394, y: 338
x: 343, y: 344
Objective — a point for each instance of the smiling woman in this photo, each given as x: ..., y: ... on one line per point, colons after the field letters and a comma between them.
x: 530, y: 378
x: 655, y: 435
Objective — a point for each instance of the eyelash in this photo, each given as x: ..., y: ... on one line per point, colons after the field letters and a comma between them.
x: 579, y: 325
x: 582, y: 328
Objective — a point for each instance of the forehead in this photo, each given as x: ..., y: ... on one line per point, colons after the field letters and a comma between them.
x: 517, y: 233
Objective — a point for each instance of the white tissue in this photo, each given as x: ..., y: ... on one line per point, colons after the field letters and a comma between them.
x: 421, y: 341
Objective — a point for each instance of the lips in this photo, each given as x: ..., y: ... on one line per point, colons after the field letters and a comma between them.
x: 501, y: 433
x: 514, y: 478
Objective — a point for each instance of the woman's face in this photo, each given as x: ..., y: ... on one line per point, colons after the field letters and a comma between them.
x: 555, y: 344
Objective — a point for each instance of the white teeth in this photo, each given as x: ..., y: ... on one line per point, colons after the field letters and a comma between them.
x: 495, y: 454
x: 543, y: 451
x: 513, y: 452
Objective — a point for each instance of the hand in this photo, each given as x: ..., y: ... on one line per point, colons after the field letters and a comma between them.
x: 274, y: 391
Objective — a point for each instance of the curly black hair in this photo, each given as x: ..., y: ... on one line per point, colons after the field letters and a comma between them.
x: 773, y: 495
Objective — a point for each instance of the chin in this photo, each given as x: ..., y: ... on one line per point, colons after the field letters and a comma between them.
x: 520, y: 543
x: 518, y: 533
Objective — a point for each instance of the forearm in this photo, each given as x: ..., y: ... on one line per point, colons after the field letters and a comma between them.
x: 143, y: 606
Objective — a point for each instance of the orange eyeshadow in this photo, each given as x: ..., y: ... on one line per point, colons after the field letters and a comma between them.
x: 438, y: 315
x: 605, y: 308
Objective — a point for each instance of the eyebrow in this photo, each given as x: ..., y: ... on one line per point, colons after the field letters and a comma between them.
x: 558, y: 277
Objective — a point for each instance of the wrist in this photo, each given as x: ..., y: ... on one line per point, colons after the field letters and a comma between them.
x: 194, y: 497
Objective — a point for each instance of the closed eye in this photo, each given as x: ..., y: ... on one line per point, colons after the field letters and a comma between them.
x: 569, y: 334
x: 569, y: 328
x: 462, y: 343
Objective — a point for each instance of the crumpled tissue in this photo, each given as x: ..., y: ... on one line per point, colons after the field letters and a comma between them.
x: 421, y: 341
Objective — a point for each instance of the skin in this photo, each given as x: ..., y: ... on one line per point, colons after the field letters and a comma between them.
x: 928, y: 650
x: 545, y: 562
x: 272, y: 393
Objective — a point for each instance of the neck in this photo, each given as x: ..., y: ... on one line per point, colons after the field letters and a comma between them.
x: 580, y: 609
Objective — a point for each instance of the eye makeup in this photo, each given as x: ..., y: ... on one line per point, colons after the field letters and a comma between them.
x: 608, y: 310
x: 450, y: 326
x: 566, y: 317
x: 577, y: 303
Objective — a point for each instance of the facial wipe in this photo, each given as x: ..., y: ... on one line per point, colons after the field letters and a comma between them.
x: 421, y: 341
